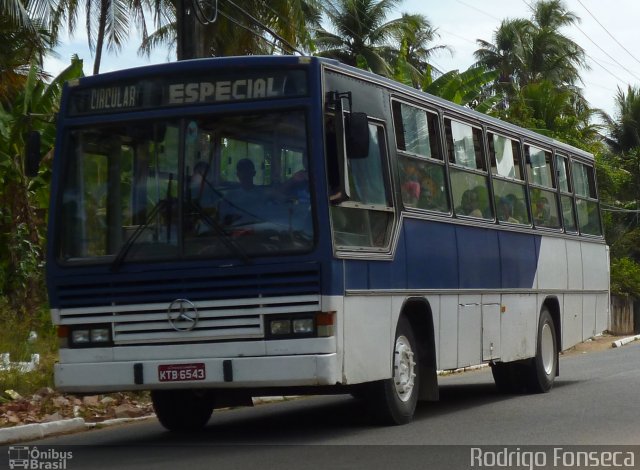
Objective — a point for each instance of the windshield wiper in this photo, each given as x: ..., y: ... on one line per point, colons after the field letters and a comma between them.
x: 122, y: 253
x: 226, y: 239
x: 166, y: 204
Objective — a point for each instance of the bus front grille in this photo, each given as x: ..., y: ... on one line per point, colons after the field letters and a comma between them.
x: 208, y: 320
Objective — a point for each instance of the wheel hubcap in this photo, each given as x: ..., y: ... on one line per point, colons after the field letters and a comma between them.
x: 547, y: 349
x: 404, y: 369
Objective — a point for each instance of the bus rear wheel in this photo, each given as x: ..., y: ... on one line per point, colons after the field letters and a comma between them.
x: 544, y: 366
x: 393, y: 401
x: 535, y: 375
x: 182, y: 410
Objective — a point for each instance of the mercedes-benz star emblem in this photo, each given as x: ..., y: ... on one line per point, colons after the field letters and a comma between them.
x: 183, y: 315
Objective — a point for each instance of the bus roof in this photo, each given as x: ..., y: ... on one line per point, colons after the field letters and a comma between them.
x: 251, y: 62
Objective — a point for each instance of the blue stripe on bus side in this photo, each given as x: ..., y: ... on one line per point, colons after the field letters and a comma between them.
x: 486, y: 259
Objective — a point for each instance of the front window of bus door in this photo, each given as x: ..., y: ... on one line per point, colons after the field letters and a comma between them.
x: 364, y: 221
x: 119, y: 188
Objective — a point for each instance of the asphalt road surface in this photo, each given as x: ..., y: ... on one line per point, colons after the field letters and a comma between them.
x: 594, y: 404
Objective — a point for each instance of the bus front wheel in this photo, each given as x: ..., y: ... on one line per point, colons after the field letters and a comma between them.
x: 182, y: 410
x: 393, y: 401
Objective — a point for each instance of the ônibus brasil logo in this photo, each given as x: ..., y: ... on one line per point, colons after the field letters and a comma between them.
x: 38, y: 459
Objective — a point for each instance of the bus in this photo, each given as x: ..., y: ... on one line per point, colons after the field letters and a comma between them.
x: 227, y: 228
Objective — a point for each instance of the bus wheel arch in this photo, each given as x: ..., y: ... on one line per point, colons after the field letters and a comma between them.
x: 418, y: 312
x: 394, y: 400
x: 552, y: 305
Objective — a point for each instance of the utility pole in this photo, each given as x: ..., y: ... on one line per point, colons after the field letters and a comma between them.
x: 189, y: 29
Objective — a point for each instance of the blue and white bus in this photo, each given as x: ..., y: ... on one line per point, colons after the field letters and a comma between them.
x: 236, y: 227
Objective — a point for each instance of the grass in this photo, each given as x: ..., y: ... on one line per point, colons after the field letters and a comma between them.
x: 14, y: 339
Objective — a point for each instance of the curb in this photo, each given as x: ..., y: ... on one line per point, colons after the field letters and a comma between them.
x: 31, y: 432
x: 623, y: 341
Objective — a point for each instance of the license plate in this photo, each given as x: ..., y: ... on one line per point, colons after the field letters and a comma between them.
x: 181, y: 372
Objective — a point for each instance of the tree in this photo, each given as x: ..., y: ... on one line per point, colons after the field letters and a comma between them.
x: 362, y: 33
x: 528, y: 51
x: 21, y: 227
x: 25, y: 41
x: 241, y: 27
x: 466, y: 88
x: 108, y: 22
x: 411, y: 50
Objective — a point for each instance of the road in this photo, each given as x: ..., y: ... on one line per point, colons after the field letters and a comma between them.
x: 594, y: 401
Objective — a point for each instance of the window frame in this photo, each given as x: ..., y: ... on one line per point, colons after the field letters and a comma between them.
x: 484, y: 172
x: 419, y: 159
x: 508, y: 180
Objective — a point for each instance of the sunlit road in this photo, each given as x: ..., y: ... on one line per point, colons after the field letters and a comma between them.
x: 595, y: 401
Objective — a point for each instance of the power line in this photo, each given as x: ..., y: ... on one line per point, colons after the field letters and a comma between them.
x: 479, y: 10
x: 607, y: 31
x: 264, y: 27
x: 607, y: 54
x: 245, y: 27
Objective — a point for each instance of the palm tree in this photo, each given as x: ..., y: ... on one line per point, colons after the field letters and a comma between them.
x: 507, y: 53
x: 107, y: 21
x: 625, y: 127
x: 362, y: 34
x: 25, y: 40
x: 411, y: 50
x: 242, y: 27
x: 528, y: 51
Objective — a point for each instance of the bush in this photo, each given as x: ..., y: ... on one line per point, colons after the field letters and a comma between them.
x: 625, y: 277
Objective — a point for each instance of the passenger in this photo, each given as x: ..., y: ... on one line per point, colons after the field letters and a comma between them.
x: 297, y: 187
x: 542, y: 212
x: 242, y: 205
x: 470, y: 205
x: 410, y: 186
x: 505, y: 211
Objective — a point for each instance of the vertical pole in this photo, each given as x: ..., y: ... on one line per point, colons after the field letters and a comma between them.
x: 189, y: 32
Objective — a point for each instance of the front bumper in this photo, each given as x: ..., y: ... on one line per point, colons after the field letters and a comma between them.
x: 236, y: 372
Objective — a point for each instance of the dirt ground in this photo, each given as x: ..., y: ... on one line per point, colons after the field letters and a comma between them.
x: 599, y: 343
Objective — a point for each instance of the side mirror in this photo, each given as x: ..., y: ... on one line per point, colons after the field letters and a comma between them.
x: 357, y: 135
x: 32, y: 157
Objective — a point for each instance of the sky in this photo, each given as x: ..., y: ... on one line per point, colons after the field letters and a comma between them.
x: 607, y: 31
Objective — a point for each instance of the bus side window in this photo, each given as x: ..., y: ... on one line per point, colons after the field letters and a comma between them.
x: 469, y: 177
x: 420, y: 165
x: 586, y: 199
x: 544, y: 198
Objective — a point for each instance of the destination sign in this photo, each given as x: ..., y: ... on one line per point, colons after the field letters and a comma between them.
x: 150, y: 93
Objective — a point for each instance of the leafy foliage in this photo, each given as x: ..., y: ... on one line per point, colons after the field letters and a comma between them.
x: 22, y: 200
x: 625, y: 277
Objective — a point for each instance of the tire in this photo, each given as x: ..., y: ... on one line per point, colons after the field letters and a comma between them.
x: 182, y: 410
x: 393, y: 401
x: 509, y: 377
x: 544, y: 366
x: 534, y: 375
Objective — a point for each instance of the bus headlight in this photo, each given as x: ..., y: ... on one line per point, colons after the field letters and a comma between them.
x: 319, y: 324
x: 303, y: 326
x: 89, y: 336
x: 79, y: 337
x: 280, y: 327
x: 291, y: 327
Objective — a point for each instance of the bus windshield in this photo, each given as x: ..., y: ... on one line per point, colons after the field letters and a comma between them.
x: 215, y: 186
